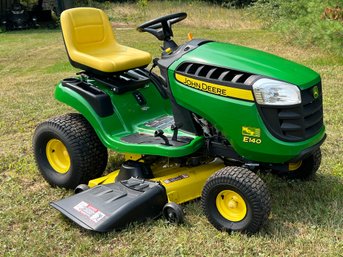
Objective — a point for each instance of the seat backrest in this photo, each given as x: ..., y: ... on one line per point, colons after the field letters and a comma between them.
x: 85, y: 30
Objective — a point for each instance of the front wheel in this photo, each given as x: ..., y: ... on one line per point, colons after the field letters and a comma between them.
x: 68, y: 152
x: 236, y: 199
x: 304, y: 169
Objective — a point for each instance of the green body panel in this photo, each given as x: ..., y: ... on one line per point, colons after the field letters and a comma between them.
x: 229, y: 115
x: 128, y: 118
x: 253, y: 61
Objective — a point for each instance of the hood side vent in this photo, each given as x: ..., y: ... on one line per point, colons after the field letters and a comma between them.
x: 215, y: 74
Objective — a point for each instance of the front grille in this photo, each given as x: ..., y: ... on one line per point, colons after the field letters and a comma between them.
x: 216, y: 74
x: 295, y: 123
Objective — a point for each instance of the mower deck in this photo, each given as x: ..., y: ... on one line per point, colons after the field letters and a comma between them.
x: 182, y: 184
x: 109, y: 205
x: 113, y: 206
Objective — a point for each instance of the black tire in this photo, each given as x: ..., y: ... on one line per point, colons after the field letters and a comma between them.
x: 251, y: 191
x: 307, y: 169
x: 173, y: 213
x: 88, y: 156
x: 80, y: 188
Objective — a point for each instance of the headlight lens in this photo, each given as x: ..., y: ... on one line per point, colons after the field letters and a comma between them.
x: 273, y: 92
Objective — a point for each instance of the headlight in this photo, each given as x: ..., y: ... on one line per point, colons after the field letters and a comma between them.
x: 273, y: 92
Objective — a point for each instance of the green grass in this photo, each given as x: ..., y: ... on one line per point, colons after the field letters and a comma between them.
x: 303, y: 22
x: 306, y: 218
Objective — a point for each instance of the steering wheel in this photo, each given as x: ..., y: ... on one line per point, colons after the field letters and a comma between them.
x: 161, y: 27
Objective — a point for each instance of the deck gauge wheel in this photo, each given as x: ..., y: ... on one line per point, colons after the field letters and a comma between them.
x: 80, y: 188
x: 173, y: 213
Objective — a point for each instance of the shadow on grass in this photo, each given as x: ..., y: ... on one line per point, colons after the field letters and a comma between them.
x: 298, y: 205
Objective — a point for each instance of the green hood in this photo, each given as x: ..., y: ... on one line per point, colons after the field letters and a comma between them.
x: 253, y: 61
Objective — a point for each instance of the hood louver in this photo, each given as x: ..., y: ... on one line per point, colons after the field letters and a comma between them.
x: 216, y: 74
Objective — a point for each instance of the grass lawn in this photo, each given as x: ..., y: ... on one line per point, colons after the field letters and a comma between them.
x: 306, y: 218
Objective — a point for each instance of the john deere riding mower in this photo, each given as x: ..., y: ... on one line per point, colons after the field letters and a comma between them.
x: 216, y: 115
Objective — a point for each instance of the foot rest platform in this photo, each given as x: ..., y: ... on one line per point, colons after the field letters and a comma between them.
x: 141, y: 138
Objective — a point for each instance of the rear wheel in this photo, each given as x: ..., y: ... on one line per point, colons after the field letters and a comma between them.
x: 68, y: 152
x: 236, y: 199
x: 304, y: 169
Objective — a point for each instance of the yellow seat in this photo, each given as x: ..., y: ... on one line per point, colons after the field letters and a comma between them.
x: 91, y: 45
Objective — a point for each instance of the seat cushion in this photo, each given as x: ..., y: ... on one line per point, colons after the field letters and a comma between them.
x: 90, y: 43
x: 112, y: 59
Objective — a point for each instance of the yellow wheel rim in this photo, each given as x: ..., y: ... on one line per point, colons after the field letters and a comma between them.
x: 231, y: 205
x: 58, y: 156
x: 294, y: 165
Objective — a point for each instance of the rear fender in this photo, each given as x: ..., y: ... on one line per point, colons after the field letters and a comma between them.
x: 103, y: 126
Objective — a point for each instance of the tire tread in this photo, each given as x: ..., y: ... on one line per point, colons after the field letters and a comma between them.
x: 250, y: 184
x: 91, y: 155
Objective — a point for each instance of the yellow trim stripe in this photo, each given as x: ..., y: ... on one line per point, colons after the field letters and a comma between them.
x: 216, y: 89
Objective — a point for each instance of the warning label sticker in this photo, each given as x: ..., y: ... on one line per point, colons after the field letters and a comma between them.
x: 170, y: 180
x: 90, y: 211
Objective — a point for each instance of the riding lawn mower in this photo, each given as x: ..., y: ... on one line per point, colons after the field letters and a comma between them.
x: 215, y: 117
x: 18, y: 17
